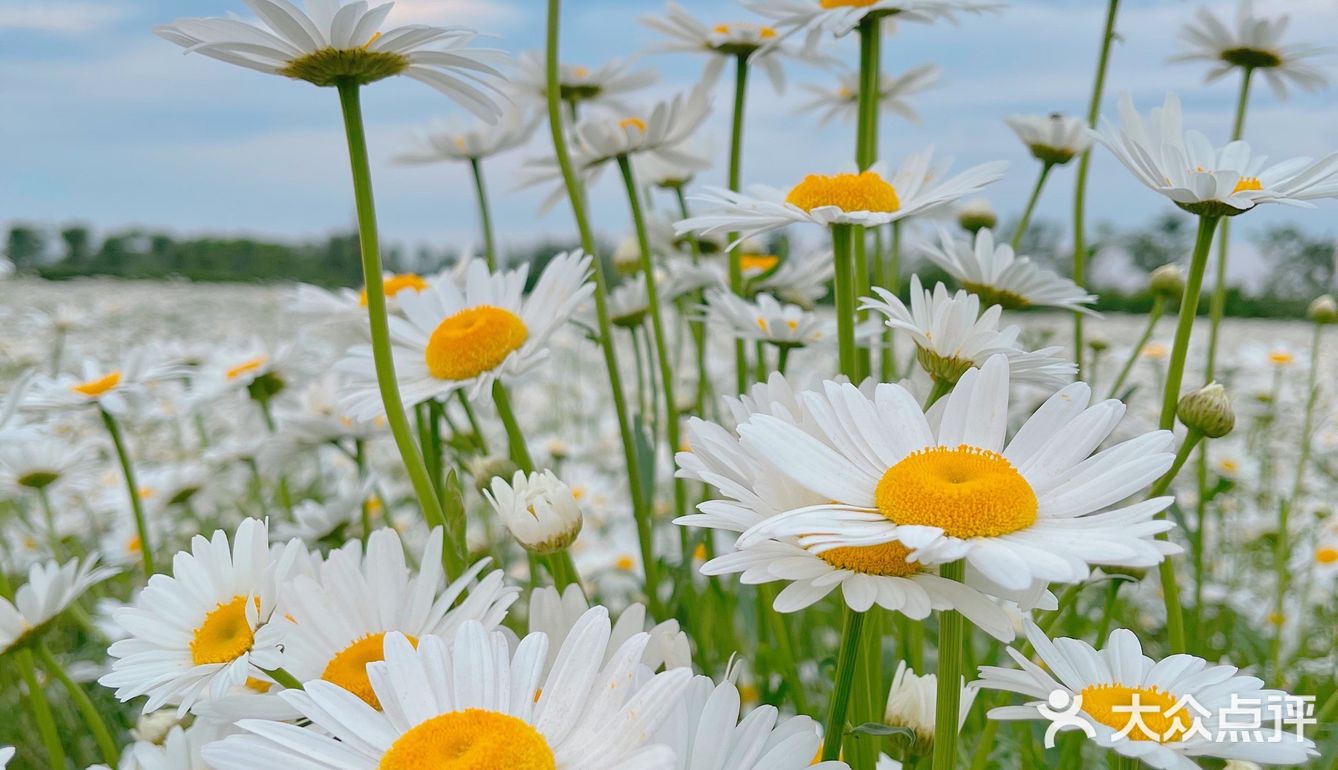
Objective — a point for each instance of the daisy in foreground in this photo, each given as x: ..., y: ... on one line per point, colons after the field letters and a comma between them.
x: 1254, y: 44
x: 51, y: 587
x: 1184, y: 705
x: 1033, y: 509
x: 335, y: 42
x: 994, y: 273
x: 471, y: 334
x: 864, y: 198
x: 475, y: 704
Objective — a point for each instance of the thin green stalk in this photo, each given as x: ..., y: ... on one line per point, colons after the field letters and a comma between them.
x: 783, y: 357
x: 735, y: 181
x: 941, y: 388
x: 370, y: 246
x: 784, y: 646
x: 1217, y: 305
x: 892, y: 282
x: 46, y: 723
x: 576, y: 196
x: 845, y: 300
x: 132, y: 488
x: 1084, y: 164
x: 1031, y: 206
x: 1189, y: 307
x: 1154, y: 315
x: 951, y: 638
x: 845, y: 677
x: 107, y: 746
x: 696, y: 325
x: 866, y: 154
x: 479, y: 439
x: 1170, y: 587
x: 360, y: 458
x: 515, y: 437
x: 563, y: 569
x: 485, y: 214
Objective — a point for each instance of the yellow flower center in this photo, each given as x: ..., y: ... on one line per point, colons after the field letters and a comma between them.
x: 348, y: 669
x: 225, y: 634
x: 846, y: 3
x: 967, y: 492
x: 1228, y: 465
x: 638, y: 123
x: 865, y: 191
x: 721, y: 29
x: 246, y: 367
x: 580, y: 72
x: 134, y: 546
x: 398, y: 283
x: 1247, y: 184
x: 472, y: 739
x: 624, y: 563
x: 473, y: 341
x: 888, y: 559
x: 1155, y: 350
x: 95, y: 388
x: 757, y: 263
x: 1281, y: 357
x: 1326, y: 555
x: 1100, y: 701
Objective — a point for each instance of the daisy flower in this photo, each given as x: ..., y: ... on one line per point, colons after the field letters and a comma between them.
x: 606, y: 85
x: 1052, y: 139
x: 801, y: 280
x: 557, y: 614
x: 893, y: 93
x: 1033, y: 509
x: 315, y: 418
x: 339, y: 617
x: 351, y: 304
x: 40, y: 463
x: 6, y: 752
x: 766, y: 320
x: 538, y: 509
x: 51, y: 587
x: 706, y: 733
x: 112, y: 387
x: 952, y: 335
x: 600, y: 139
x: 204, y: 629
x: 838, y: 17
x: 454, y: 142
x: 1202, y: 179
x: 261, y: 370
x: 912, y: 702
x: 180, y: 749
x: 315, y: 521
x: 864, y: 198
x: 468, y: 336
x: 724, y: 42
x: 991, y: 271
x: 476, y: 702
x: 334, y: 41
x: 1171, y: 730
x: 12, y: 424
x: 1254, y: 44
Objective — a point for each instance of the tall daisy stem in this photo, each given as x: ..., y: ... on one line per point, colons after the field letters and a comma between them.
x: 1084, y: 164
x: 1189, y: 307
x: 46, y: 723
x: 951, y: 638
x: 370, y: 246
x: 1031, y: 205
x: 1217, y: 305
x: 845, y: 677
x: 641, y: 507
x: 485, y: 214
x: 132, y: 489
x: 1170, y: 586
x: 866, y: 153
x: 111, y: 752
x: 842, y: 237
x: 696, y: 325
x: 735, y: 182
x: 515, y: 437
x: 1154, y: 315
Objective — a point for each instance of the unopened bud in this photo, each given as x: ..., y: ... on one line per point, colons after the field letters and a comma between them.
x: 1207, y: 410
x: 1324, y: 310
x: 1098, y: 345
x: 541, y: 511
x: 976, y: 215
x: 1168, y: 281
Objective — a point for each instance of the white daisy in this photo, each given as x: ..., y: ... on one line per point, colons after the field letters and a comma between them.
x: 1052, y: 139
x: 1254, y: 44
x: 6, y: 752
x: 351, y: 304
x: 114, y: 387
x: 557, y: 614
x: 204, y: 629
x: 864, y: 198
x: 1109, y: 684
x: 314, y: 417
x: 333, y: 41
x: 1036, y: 508
x: 180, y: 749
x: 951, y: 335
x: 991, y: 271
x: 469, y: 336
x: 44, y: 463
x: 706, y: 733
x: 476, y: 702
x: 724, y: 41
x: 315, y: 521
x: 800, y: 279
x: 599, y: 139
x: 13, y: 427
x: 606, y: 85
x: 51, y: 587
x: 1202, y: 179
x: 912, y: 702
x: 338, y: 618
x: 766, y: 320
x: 260, y: 369
x: 838, y: 17
x: 455, y: 142
x: 893, y: 93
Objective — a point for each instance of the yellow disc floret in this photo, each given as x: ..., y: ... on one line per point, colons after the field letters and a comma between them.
x: 348, y: 668
x: 472, y: 739
x: 967, y: 492
x: 846, y: 3
x: 1101, y: 701
x: 888, y: 559
x: 865, y: 191
x: 636, y: 123
x: 398, y: 283
x: 473, y: 341
x: 95, y: 388
x: 225, y: 635
x: 1248, y: 184
x: 246, y: 367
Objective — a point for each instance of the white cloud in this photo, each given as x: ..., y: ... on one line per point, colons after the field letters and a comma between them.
x: 483, y: 15
x: 65, y: 18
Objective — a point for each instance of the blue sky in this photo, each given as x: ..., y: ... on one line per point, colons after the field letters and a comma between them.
x: 109, y: 125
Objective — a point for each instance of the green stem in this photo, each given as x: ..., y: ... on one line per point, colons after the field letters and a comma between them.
x: 350, y: 102
x: 485, y: 214
x: 111, y: 752
x: 697, y: 326
x: 576, y: 196
x: 520, y: 451
x: 46, y: 723
x: 1189, y: 307
x: 1084, y: 164
x: 845, y: 677
x: 735, y: 181
x: 283, y: 678
x: 783, y: 357
x: 479, y: 438
x: 1031, y: 206
x: 1120, y: 762
x: 1170, y: 587
x: 845, y: 300
x: 1217, y: 306
x: 941, y: 388
x: 892, y: 282
x: 563, y: 570
x: 951, y: 638
x: 132, y: 488
x: 870, y: 71
x: 1154, y: 315
x: 784, y: 646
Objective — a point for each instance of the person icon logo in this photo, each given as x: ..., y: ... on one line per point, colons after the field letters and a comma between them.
x: 1061, y: 707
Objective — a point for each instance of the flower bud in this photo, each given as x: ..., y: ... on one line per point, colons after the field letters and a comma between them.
x: 1098, y: 345
x: 1167, y: 281
x: 540, y: 511
x: 627, y: 257
x: 912, y: 702
x: 1324, y: 310
x: 976, y: 214
x: 1207, y: 410
x: 154, y: 726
